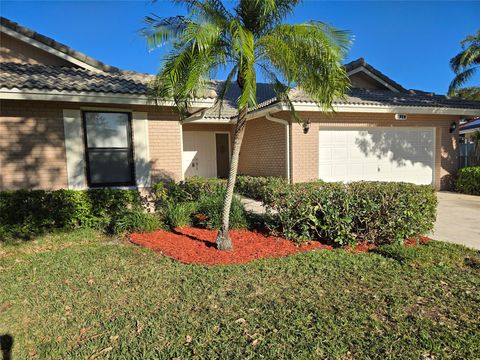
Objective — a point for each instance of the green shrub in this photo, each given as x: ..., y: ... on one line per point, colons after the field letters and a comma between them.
x: 184, y: 191
x: 210, y: 209
x: 179, y: 214
x: 260, y: 188
x: 135, y: 220
x: 27, y: 213
x: 375, y: 212
x: 197, y: 187
x: 468, y: 181
x: 170, y: 191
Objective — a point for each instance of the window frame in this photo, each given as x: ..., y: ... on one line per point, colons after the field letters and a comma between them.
x: 130, y: 154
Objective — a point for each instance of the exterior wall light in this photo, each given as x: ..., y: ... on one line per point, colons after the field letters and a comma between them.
x: 306, y: 126
x: 453, y: 126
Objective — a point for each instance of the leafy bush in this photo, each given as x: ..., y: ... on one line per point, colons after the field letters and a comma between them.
x: 260, y: 188
x: 468, y: 181
x: 179, y: 214
x: 166, y: 192
x: 210, y: 208
x: 184, y: 191
x: 375, y: 212
x: 135, y: 220
x: 27, y: 213
x: 197, y: 187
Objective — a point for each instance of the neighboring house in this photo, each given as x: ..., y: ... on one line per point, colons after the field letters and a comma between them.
x: 469, y: 143
x: 69, y: 121
x: 468, y: 130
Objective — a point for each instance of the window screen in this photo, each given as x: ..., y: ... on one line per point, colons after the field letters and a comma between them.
x: 109, y: 150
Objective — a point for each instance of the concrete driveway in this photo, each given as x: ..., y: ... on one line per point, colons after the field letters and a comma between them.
x: 458, y: 219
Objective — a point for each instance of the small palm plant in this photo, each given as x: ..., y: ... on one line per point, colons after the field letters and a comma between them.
x: 245, y: 38
x: 464, y: 65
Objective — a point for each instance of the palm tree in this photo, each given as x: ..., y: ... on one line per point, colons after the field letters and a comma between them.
x: 249, y: 37
x: 464, y: 65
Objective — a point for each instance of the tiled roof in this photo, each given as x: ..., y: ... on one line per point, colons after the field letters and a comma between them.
x: 56, y: 45
x: 391, y: 98
x: 44, y: 77
x: 47, y: 77
x: 265, y: 94
x: 360, y: 62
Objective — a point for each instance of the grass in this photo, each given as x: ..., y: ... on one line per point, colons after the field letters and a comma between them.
x: 80, y: 295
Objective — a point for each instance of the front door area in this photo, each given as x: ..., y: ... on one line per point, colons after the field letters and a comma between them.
x: 206, y: 154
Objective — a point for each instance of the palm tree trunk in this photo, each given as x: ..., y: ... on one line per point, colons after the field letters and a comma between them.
x: 223, y: 239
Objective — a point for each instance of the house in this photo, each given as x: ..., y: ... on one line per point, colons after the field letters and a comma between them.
x: 469, y: 129
x: 469, y: 143
x: 70, y: 121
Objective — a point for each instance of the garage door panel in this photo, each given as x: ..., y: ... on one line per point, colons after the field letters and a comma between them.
x: 326, y: 170
x: 377, y: 154
x: 325, y: 154
x: 340, y: 153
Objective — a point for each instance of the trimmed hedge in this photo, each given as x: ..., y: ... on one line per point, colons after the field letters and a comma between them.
x: 375, y: 212
x: 192, y: 189
x: 468, y: 181
x: 259, y: 187
x: 189, y: 190
x: 27, y: 213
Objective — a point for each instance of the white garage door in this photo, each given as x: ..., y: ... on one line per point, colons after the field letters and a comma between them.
x: 377, y: 154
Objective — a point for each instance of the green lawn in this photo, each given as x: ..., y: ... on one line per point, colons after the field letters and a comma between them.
x: 80, y: 294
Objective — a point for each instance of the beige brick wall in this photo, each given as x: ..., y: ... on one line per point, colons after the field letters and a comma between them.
x: 263, y: 149
x: 164, y: 138
x: 32, y: 146
x: 305, y: 146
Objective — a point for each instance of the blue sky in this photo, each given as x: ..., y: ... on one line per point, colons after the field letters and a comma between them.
x: 409, y: 41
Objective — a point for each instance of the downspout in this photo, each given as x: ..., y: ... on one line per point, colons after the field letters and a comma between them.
x: 287, y: 139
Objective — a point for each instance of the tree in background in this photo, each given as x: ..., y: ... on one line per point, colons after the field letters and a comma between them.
x: 247, y: 37
x: 465, y: 64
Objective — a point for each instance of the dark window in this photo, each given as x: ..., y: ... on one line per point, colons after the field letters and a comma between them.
x: 108, y: 144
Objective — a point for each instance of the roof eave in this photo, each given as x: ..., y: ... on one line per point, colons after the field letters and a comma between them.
x: 367, y: 108
x: 91, y: 97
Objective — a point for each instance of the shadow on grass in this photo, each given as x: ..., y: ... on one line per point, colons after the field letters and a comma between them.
x: 6, y: 344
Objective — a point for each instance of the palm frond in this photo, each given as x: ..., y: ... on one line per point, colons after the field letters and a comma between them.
x: 224, y: 87
x: 468, y: 93
x: 161, y: 31
x: 259, y: 16
x: 467, y: 57
x: 243, y: 48
x: 309, y: 55
x: 461, y: 79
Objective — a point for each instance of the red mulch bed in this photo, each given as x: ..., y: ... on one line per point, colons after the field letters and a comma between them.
x: 197, y: 246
